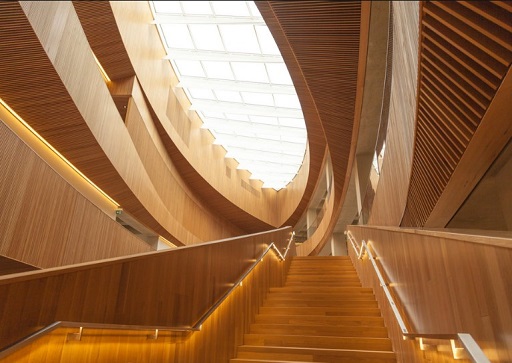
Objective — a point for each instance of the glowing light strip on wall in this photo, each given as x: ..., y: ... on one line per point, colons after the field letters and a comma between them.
x: 102, y: 71
x: 40, y: 138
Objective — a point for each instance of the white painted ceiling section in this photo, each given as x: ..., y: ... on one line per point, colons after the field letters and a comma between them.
x: 230, y: 67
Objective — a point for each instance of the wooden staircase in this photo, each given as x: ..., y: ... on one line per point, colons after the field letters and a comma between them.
x: 322, y: 314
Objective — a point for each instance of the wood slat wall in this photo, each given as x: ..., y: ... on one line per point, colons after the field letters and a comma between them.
x: 447, y: 283
x: 216, y: 342
x: 46, y: 222
x: 67, y: 86
x: 391, y: 194
x: 466, y: 51
x: 201, y: 164
x: 165, y: 288
x: 327, y: 44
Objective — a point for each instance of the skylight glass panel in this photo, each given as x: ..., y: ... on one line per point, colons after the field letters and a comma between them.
x: 172, y: 7
x: 201, y: 93
x: 229, y: 66
x: 177, y: 36
x: 266, y: 41
x: 229, y: 96
x: 218, y: 70
x: 231, y: 8
x: 206, y: 36
x: 196, y: 7
x: 287, y: 101
x: 240, y: 38
x: 250, y: 72
x: 190, y: 68
x: 265, y: 99
x: 237, y: 117
x: 278, y: 73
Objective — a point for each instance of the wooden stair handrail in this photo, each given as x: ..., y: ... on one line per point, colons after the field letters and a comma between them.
x: 5, y: 351
x: 471, y: 346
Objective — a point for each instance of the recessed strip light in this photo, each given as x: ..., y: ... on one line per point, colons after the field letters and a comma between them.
x: 40, y: 138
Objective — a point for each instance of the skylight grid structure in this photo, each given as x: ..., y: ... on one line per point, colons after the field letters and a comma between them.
x: 231, y: 69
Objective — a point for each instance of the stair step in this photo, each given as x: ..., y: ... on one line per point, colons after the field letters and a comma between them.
x: 248, y: 360
x: 320, y: 303
x: 320, y: 320
x: 326, y: 342
x: 323, y: 289
x: 322, y: 311
x: 302, y: 329
x: 339, y: 296
x: 314, y: 354
x: 323, y: 283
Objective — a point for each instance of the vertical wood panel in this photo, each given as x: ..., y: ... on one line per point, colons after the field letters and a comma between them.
x: 44, y: 221
x: 166, y: 288
x: 391, y: 194
x: 449, y: 283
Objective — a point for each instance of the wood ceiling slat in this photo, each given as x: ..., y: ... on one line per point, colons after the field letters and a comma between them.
x: 464, y: 55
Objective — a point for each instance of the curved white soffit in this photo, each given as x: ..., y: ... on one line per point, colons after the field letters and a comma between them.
x: 229, y: 66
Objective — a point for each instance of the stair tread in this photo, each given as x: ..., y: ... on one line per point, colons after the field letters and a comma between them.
x: 321, y: 314
x: 318, y: 341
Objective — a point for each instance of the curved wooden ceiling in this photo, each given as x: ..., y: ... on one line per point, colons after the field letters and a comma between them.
x: 324, y: 46
x: 465, y: 53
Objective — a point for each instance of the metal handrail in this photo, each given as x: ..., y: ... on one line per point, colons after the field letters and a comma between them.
x: 196, y: 327
x: 474, y: 351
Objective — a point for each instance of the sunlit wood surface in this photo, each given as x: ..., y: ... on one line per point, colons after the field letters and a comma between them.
x: 66, y: 100
x: 166, y: 288
x: 391, y: 194
x: 45, y: 221
x: 466, y: 51
x: 216, y: 342
x: 446, y: 283
x: 321, y: 314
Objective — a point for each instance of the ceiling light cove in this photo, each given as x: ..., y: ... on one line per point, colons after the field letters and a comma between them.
x: 230, y: 67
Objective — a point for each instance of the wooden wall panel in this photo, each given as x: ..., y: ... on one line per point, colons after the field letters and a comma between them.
x: 67, y: 86
x: 46, y: 222
x: 165, y: 288
x: 216, y: 342
x: 391, y: 195
x: 466, y: 52
x: 449, y: 282
x: 201, y: 164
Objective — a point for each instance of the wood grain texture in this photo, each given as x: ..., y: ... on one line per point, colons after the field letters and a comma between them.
x: 134, y: 290
x: 328, y: 44
x: 391, y: 194
x: 201, y: 164
x: 230, y: 321
x: 91, y: 133
x: 45, y: 221
x: 468, y: 279
x: 464, y: 59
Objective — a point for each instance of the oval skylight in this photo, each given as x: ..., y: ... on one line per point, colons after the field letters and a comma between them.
x: 231, y: 69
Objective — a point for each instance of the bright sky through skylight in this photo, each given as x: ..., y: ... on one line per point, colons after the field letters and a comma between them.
x: 230, y: 68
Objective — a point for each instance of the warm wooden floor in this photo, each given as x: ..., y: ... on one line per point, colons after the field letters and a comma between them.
x: 322, y: 314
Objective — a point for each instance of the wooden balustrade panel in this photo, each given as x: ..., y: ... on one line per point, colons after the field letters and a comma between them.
x: 66, y: 86
x: 165, y: 288
x: 215, y: 343
x: 447, y: 283
x: 465, y: 53
x: 45, y: 221
x: 391, y: 194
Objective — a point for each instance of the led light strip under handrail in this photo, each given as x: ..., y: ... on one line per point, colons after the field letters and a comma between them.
x: 196, y: 327
x: 471, y: 346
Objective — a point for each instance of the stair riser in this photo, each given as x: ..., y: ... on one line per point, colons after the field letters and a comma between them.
x: 326, y: 356
x: 319, y: 296
x: 320, y: 303
x: 339, y: 321
x: 379, y: 344
x: 369, y: 332
x: 319, y: 311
